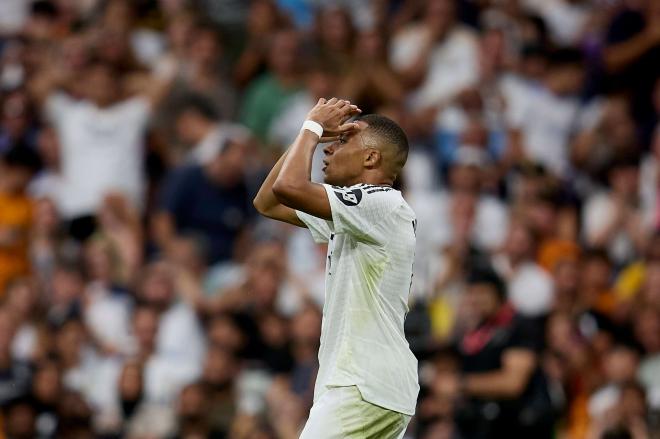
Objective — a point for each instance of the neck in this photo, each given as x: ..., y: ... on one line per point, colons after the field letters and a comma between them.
x: 374, y: 179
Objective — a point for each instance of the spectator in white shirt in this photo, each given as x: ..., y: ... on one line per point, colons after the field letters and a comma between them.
x: 436, y: 58
x: 101, y: 135
x: 543, y: 115
x: 179, y: 332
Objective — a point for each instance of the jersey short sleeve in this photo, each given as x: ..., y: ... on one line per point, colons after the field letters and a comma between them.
x: 359, y: 210
x: 319, y: 227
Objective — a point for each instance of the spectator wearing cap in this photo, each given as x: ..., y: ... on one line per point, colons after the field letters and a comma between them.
x: 198, y: 126
x: 211, y: 200
x: 505, y: 389
x: 17, y: 167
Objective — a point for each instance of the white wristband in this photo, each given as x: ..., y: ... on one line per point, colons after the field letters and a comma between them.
x: 314, y: 127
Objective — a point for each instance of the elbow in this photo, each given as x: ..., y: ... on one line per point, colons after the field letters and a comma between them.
x: 515, y: 388
x: 282, y: 190
x: 258, y: 205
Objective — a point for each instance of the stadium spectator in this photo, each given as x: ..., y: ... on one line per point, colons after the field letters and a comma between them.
x: 16, y: 212
x: 613, y: 219
x: 267, y: 94
x: 198, y: 126
x: 101, y: 139
x: 210, y: 199
x: 505, y: 388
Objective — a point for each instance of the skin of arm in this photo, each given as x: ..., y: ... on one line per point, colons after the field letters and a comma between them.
x: 619, y: 56
x: 293, y: 187
x: 163, y: 230
x: 267, y: 203
x: 508, y: 382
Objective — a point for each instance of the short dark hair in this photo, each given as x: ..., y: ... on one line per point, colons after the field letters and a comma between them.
x: 389, y: 132
x: 625, y: 160
x: 199, y: 104
x: 488, y: 276
x: 566, y: 57
x: 44, y: 8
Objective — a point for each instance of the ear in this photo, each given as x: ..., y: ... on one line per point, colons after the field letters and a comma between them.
x: 372, y: 158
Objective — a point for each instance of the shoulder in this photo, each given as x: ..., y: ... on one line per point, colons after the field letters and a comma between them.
x: 366, y: 194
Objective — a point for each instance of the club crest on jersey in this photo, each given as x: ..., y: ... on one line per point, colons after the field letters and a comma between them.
x: 349, y: 197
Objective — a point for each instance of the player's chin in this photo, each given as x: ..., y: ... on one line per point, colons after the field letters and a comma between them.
x: 328, y: 179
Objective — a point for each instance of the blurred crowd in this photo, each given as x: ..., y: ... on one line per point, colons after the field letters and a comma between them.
x: 142, y: 297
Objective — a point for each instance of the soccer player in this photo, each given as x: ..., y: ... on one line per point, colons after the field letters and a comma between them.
x: 367, y: 381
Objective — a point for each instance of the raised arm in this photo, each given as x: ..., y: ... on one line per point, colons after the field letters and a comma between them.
x: 272, y: 201
x: 268, y: 205
x: 293, y: 186
x: 619, y: 56
x: 155, y: 85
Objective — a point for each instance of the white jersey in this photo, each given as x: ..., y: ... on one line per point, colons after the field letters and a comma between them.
x: 371, y: 243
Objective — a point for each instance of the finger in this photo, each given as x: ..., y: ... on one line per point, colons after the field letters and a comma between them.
x: 328, y: 139
x: 350, y: 126
x: 348, y: 109
x: 321, y: 101
x: 332, y: 101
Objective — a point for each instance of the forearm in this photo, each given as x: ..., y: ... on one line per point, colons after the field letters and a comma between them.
x: 265, y: 199
x: 497, y: 384
x: 296, y: 168
x: 293, y: 187
x: 621, y: 55
x: 163, y: 230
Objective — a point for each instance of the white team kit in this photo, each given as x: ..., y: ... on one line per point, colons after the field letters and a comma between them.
x: 367, y: 382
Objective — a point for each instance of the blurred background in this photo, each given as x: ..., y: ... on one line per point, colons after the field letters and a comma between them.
x: 142, y: 297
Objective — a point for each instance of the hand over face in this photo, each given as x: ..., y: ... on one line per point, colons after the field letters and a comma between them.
x: 332, y: 115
